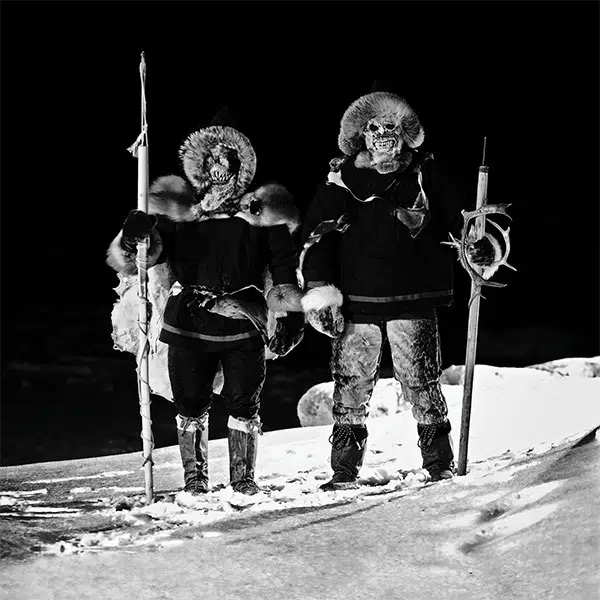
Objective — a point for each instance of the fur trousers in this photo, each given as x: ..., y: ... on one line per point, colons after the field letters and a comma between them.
x: 416, y: 359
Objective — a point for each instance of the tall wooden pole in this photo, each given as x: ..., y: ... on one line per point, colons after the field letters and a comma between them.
x: 473, y: 326
x: 142, y: 264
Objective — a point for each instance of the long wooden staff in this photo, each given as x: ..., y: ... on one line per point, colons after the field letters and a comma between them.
x: 140, y: 150
x: 479, y: 277
x: 473, y: 327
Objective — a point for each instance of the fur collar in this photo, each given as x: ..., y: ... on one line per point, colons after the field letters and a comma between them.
x: 397, y: 164
x: 364, y: 184
x: 269, y: 205
x: 411, y: 162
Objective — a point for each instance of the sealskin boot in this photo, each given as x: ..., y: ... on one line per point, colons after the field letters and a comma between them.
x: 192, y: 434
x: 348, y: 449
x: 437, y: 450
x: 243, y: 441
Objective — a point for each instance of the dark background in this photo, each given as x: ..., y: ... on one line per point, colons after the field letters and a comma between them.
x: 524, y: 74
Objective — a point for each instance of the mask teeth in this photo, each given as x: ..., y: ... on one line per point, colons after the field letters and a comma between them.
x: 384, y: 144
x: 219, y: 175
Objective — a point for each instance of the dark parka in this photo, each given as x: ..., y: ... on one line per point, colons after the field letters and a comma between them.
x: 382, y: 269
x: 222, y: 255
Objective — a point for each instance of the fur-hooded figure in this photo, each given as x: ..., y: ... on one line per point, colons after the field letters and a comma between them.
x: 379, y: 129
x: 219, y: 163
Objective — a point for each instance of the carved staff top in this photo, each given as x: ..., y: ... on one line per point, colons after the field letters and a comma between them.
x: 472, y: 231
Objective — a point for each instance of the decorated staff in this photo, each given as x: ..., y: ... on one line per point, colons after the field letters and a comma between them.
x: 140, y: 150
x: 473, y: 233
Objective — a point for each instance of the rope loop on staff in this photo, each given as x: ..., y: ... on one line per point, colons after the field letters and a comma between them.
x: 143, y: 357
x: 141, y: 140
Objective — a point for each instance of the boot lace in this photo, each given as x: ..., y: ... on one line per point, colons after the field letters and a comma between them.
x: 427, y: 434
x: 345, y: 435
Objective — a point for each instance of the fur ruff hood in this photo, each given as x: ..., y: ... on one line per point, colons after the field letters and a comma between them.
x: 270, y: 204
x: 220, y: 163
x: 351, y: 140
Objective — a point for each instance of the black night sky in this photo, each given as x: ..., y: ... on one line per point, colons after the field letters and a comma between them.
x: 524, y: 74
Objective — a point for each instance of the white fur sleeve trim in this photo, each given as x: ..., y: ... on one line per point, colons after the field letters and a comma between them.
x: 322, y: 297
x: 115, y: 255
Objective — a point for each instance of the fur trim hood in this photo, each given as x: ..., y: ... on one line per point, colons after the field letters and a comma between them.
x: 351, y: 138
x: 220, y: 163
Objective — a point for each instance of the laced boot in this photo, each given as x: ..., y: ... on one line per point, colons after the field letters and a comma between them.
x: 192, y: 434
x: 348, y: 449
x: 243, y: 441
x: 437, y: 450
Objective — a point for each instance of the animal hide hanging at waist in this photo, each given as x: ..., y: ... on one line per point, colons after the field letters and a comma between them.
x: 245, y: 303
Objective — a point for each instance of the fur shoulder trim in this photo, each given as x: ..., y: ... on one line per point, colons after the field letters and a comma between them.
x: 269, y: 205
x: 173, y: 197
x: 321, y: 297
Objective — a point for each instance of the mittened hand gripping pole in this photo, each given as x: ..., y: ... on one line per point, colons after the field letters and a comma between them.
x: 481, y: 253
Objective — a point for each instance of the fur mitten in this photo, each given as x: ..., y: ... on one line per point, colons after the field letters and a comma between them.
x: 322, y: 307
x: 289, y: 332
x: 481, y: 252
x: 137, y: 226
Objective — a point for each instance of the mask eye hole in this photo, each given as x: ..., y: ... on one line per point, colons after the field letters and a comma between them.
x: 390, y: 126
x: 373, y: 127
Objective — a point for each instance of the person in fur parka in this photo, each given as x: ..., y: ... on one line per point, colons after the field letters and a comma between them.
x: 374, y: 269
x: 232, y: 255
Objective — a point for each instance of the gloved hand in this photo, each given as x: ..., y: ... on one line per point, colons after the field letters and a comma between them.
x: 137, y: 226
x: 328, y: 320
x: 481, y: 252
x: 289, y: 332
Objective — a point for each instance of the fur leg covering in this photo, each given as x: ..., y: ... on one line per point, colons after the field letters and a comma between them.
x: 192, y: 435
x: 243, y: 441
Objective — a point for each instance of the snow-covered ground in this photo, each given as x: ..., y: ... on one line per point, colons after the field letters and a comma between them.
x: 65, y: 523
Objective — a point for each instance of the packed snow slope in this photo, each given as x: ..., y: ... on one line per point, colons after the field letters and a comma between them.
x: 521, y: 524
